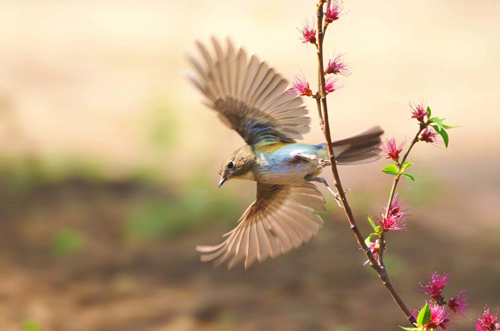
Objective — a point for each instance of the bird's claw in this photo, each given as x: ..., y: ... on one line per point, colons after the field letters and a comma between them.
x: 338, y: 199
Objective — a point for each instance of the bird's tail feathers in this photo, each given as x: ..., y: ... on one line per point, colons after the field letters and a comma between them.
x: 363, y: 147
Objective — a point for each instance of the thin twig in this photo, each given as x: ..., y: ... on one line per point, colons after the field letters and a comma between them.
x: 318, y: 104
x: 382, y: 273
x: 393, y: 191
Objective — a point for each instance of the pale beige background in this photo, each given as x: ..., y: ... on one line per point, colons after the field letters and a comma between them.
x: 80, y: 75
x: 78, y: 79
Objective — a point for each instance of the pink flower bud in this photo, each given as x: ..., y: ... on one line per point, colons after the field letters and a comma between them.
x: 333, y: 11
x: 300, y: 87
x: 436, y: 285
x: 419, y: 111
x: 374, y: 248
x: 458, y: 304
x: 428, y: 135
x: 337, y: 66
x: 330, y: 85
x: 488, y: 321
x: 395, y: 220
x: 389, y: 147
x: 439, y: 318
x: 308, y: 34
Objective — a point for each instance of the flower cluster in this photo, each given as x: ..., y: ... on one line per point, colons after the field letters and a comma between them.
x: 419, y: 112
x: 488, y: 321
x: 394, y: 219
x: 458, y: 304
x: 436, y: 285
x: 374, y: 248
x: 391, y: 220
x: 389, y: 147
x: 439, y: 318
x: 301, y: 86
x: 337, y: 66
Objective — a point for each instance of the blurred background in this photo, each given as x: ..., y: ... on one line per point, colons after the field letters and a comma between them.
x: 109, y: 160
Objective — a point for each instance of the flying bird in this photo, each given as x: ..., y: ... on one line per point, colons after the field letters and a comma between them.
x: 249, y: 97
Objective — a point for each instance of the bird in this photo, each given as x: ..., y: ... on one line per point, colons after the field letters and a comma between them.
x: 250, y: 97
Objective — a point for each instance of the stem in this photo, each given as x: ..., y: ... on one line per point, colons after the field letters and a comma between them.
x: 323, y: 109
x: 318, y: 104
x: 393, y: 190
x: 396, y: 179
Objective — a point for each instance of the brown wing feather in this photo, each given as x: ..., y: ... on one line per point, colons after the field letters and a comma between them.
x: 280, y: 219
x: 249, y: 96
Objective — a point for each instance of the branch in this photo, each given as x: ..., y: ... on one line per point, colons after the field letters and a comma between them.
x: 393, y: 190
x: 323, y: 109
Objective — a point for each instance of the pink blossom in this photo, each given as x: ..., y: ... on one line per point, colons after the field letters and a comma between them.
x: 300, y: 87
x: 395, y: 209
x: 488, y: 321
x: 439, y: 318
x: 395, y: 218
x: 428, y: 135
x: 419, y: 111
x: 436, y: 285
x: 333, y: 11
x: 374, y: 248
x: 337, y: 66
x: 392, y: 151
x: 391, y: 223
x: 330, y: 85
x: 458, y: 304
x: 308, y: 34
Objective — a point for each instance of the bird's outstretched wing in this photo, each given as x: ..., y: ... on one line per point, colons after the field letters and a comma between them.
x: 280, y: 219
x: 249, y: 96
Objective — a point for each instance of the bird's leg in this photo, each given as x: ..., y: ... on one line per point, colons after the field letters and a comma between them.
x: 310, y: 178
x: 324, y: 163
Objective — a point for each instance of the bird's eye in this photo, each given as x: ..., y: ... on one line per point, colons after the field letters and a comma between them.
x: 230, y: 165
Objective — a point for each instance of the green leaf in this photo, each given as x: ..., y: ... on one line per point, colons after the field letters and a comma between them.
x: 371, y: 221
x: 449, y: 126
x: 367, y: 240
x: 444, y: 135
x: 391, y: 169
x: 393, y: 173
x: 446, y: 139
x: 370, y: 236
x: 406, y: 165
x: 439, y: 122
x: 409, y: 176
x: 428, y: 110
x: 424, y: 317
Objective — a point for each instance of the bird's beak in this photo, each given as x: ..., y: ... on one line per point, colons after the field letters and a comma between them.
x: 222, y: 180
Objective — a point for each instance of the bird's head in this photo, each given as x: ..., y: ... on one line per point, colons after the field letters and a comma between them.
x: 238, y: 165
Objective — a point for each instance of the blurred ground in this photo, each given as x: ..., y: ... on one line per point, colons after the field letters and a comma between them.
x: 74, y: 258
x: 108, y: 165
